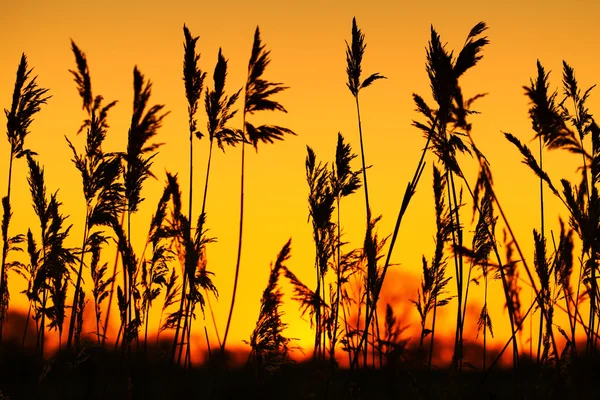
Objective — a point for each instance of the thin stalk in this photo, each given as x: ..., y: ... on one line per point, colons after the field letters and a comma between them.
x: 74, y: 309
x: 187, y: 321
x: 42, y: 330
x: 362, y: 159
x: 589, y: 344
x: 316, y: 350
x: 26, y: 325
x: 130, y: 289
x: 184, y: 331
x: 485, y: 295
x: 97, y: 321
x: 464, y: 310
x: 509, y: 304
x: 531, y: 330
x: 421, y: 340
x: 568, y: 298
x: 210, y: 151
x: 349, y: 338
x: 123, y: 324
x: 516, y: 243
x: 432, y: 333
x: 337, y: 298
x: 457, y: 241
x: 184, y: 285
x: 5, y: 245
x: 543, y: 239
x: 410, y: 190
x: 147, y: 312
x: 212, y: 315
x: 112, y: 290
x: 239, y: 250
x: 377, y: 331
x: 368, y: 209
x: 207, y: 343
x: 323, y: 333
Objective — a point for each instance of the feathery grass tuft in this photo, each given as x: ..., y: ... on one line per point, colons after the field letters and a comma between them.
x: 27, y: 100
x: 354, y: 55
x: 257, y: 97
x: 269, y: 347
x: 102, y: 190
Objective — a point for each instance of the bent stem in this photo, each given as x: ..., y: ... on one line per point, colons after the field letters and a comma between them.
x: 239, y: 250
x: 410, y: 191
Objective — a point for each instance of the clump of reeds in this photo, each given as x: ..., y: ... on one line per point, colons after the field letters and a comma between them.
x: 326, y: 189
x: 155, y: 270
x: 145, y: 122
x: 219, y: 110
x: 563, y: 128
x: 52, y: 276
x: 483, y: 244
x: 190, y: 250
x: 103, y: 193
x: 445, y: 130
x: 321, y: 206
x: 27, y: 100
x: 433, y: 293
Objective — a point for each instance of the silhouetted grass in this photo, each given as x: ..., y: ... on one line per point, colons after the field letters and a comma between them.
x: 354, y: 55
x: 193, y: 78
x: 342, y: 308
x: 102, y: 191
x: 258, y: 94
x: 27, y: 100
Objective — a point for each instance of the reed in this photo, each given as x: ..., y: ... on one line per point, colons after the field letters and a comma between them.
x: 219, y: 109
x: 269, y: 347
x: 344, y: 182
x: 27, y: 99
x: 433, y: 293
x: 257, y: 97
x: 52, y: 276
x: 354, y: 54
x: 102, y: 191
x: 193, y: 78
x: 145, y: 122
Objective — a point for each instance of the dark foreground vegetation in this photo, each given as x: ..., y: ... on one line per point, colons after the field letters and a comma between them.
x: 172, y: 273
x: 94, y: 373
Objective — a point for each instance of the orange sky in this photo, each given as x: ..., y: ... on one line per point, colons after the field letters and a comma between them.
x: 306, y: 40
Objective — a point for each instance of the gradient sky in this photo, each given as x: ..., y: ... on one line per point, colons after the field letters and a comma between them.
x: 306, y: 39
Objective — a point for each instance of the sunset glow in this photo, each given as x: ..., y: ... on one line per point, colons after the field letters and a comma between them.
x: 307, y: 48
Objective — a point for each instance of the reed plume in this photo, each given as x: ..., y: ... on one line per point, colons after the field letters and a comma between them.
x: 219, y: 109
x: 344, y: 182
x: 321, y: 206
x: 154, y: 271
x: 354, y: 55
x: 193, y: 78
x: 145, y: 122
x: 27, y: 99
x: 269, y: 346
x: 52, y: 276
x: 100, y: 172
x: 433, y: 293
x: 257, y: 97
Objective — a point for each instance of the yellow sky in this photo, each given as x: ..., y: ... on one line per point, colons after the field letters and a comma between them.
x: 306, y: 39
